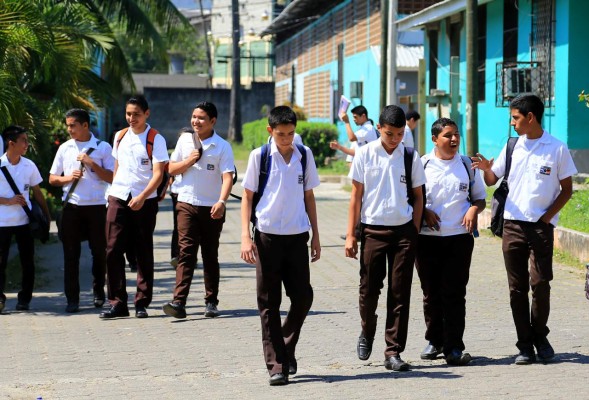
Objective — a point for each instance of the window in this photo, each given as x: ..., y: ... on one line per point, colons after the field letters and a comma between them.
x: 510, y: 16
x: 482, y: 49
x: 432, y: 36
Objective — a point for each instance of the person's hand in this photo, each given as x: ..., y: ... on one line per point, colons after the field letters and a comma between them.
x: 431, y: 219
x: 217, y: 210
x: 84, y: 158
x: 481, y: 162
x: 470, y: 220
x: 136, y: 203
x: 18, y: 199
x: 249, y: 253
x: 194, y: 156
x: 334, y: 145
x: 344, y: 117
x: 351, y: 247
x: 76, y: 174
x: 315, y: 249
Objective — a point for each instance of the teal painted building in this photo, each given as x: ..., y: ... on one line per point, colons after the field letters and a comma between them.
x: 525, y: 46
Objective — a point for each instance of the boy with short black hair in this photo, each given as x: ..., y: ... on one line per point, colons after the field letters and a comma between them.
x: 285, y: 212
x: 133, y: 207
x: 13, y: 218
x: 412, y: 117
x: 83, y: 166
x: 389, y: 227
x: 540, y: 184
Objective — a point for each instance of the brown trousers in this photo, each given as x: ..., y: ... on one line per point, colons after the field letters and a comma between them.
x: 197, y: 228
x: 120, y: 222
x: 379, y: 245
x: 76, y: 219
x: 443, y: 266
x: 531, y: 242
x: 26, y: 253
x: 282, y: 259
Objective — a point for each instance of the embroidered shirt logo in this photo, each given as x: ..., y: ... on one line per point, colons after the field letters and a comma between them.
x: 403, y: 179
x: 463, y: 187
x: 27, y: 187
x: 210, y: 167
x: 145, y: 161
x: 300, y: 179
x: 545, y: 170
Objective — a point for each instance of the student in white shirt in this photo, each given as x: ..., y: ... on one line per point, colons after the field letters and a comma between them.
x: 365, y: 134
x: 445, y: 244
x: 540, y: 184
x: 412, y: 117
x: 388, y: 232
x: 13, y: 218
x: 207, y: 179
x: 284, y: 214
x: 132, y: 208
x: 85, y: 210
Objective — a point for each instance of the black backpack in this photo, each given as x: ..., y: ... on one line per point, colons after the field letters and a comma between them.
x: 265, y: 164
x: 500, y: 194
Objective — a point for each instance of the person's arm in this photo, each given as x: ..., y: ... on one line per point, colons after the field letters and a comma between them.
x: 311, y: 208
x: 353, y: 218
x: 470, y: 219
x: 346, y: 150
x: 16, y: 199
x: 179, y: 167
x: 417, y: 207
x: 485, y: 165
x: 249, y: 252
x: 103, y: 173
x: 38, y: 195
x: 219, y: 207
x: 566, y: 192
x: 346, y: 120
x: 137, y: 202
x: 61, y: 180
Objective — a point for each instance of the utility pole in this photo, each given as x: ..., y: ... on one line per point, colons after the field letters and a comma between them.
x: 207, y: 47
x: 384, y: 40
x: 392, y: 53
x: 472, y: 97
x: 234, y: 133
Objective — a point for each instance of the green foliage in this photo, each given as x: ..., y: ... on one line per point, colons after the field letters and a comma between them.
x: 316, y: 135
x: 574, y: 213
x: 584, y: 98
x: 335, y: 167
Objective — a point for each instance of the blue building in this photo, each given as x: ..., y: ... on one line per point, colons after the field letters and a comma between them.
x: 524, y: 46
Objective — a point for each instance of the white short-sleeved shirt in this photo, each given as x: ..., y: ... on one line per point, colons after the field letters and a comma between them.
x: 349, y: 157
x: 2, y: 151
x: 408, y: 137
x: 281, y: 210
x: 175, y: 183
x: 90, y: 189
x: 365, y: 134
x: 384, y: 201
x: 537, y: 167
x: 201, y: 183
x: 25, y: 175
x: 447, y: 192
x: 135, y: 169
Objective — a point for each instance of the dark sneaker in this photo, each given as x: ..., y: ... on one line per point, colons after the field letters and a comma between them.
x: 292, y: 367
x: 395, y: 363
x: 525, y: 357
x: 2, y: 304
x: 99, y: 298
x: 22, y: 306
x: 72, y: 308
x: 544, y: 350
x: 364, y: 347
x: 116, y: 311
x: 211, y: 310
x: 278, y: 380
x: 140, y: 312
x: 456, y: 357
x: 431, y: 352
x: 175, y: 310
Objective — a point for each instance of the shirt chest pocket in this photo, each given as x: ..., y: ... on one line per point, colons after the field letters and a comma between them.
x: 210, y: 162
x: 541, y: 170
x: 140, y: 157
x: 373, y: 175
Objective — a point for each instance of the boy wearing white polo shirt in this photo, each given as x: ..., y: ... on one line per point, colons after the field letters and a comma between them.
x: 83, y: 167
x: 133, y: 207
x: 389, y: 227
x: 455, y: 195
x: 207, y: 179
x: 284, y: 213
x: 13, y: 218
x: 540, y: 184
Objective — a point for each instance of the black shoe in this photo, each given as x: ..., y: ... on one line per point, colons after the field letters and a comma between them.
x: 175, y: 310
x: 116, y: 311
x: 525, y: 357
x: 211, y: 310
x: 99, y: 298
x: 431, y: 352
x: 544, y: 350
x: 364, y: 347
x: 2, y: 304
x: 22, y: 306
x: 292, y: 367
x: 278, y: 380
x: 456, y: 357
x: 72, y: 308
x: 395, y: 363
x: 140, y: 312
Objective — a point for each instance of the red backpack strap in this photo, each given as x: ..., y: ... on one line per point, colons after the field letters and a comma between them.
x: 121, y: 134
x: 149, y: 143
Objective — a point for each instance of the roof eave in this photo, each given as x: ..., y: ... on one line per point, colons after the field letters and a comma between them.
x: 433, y: 13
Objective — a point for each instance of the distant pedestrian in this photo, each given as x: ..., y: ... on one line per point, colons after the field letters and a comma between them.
x: 284, y: 212
x: 412, y: 117
x: 388, y: 233
x: 540, y: 184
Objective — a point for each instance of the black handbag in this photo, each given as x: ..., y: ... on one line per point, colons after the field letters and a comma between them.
x: 37, y: 221
x: 500, y: 194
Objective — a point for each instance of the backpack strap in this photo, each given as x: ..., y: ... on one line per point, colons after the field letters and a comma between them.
x: 303, y: 152
x: 408, y: 161
x: 508, y: 153
x: 149, y: 142
x: 467, y: 162
x: 122, y: 134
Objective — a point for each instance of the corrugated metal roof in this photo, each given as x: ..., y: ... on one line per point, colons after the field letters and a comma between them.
x: 408, y: 57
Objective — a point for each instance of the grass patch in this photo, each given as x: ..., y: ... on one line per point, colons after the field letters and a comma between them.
x: 337, y: 167
x: 574, y: 213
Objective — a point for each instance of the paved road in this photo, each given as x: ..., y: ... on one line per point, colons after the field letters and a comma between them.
x: 57, y: 356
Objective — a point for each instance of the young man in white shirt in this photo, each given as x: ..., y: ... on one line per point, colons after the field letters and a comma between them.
x: 207, y: 179
x: 13, y: 218
x: 84, y: 214
x: 133, y: 207
x: 412, y: 117
x: 365, y: 134
x: 284, y: 214
x: 389, y: 227
x: 540, y: 184
x: 453, y: 202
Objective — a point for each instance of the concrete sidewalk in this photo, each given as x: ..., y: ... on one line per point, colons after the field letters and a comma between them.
x: 48, y: 353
